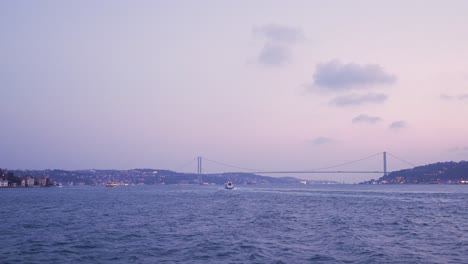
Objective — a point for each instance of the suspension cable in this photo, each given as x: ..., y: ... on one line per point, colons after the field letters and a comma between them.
x: 183, y: 166
x: 228, y: 165
x: 347, y: 163
x: 402, y: 160
x: 322, y: 168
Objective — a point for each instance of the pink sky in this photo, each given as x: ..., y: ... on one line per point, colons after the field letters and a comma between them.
x: 264, y: 84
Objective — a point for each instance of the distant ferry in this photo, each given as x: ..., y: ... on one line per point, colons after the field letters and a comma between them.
x: 229, y: 185
x: 112, y: 185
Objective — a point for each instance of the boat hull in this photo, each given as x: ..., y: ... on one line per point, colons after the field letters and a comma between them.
x: 229, y: 186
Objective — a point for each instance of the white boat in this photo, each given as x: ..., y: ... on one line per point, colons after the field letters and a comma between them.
x: 229, y: 185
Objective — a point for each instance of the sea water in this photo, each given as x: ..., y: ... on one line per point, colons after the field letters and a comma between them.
x: 250, y: 224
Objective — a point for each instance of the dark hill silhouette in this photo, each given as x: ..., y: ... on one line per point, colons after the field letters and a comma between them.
x: 441, y: 172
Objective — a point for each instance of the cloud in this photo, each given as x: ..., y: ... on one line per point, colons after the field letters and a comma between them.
x: 322, y: 140
x: 336, y: 76
x: 446, y: 97
x: 274, y: 54
x: 460, y: 151
x: 366, y: 119
x: 277, y: 49
x: 354, y: 99
x: 398, y: 125
x: 279, y: 34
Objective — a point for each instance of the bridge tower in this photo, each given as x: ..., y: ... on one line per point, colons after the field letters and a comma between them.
x: 199, y: 169
x: 385, y: 163
x: 199, y: 166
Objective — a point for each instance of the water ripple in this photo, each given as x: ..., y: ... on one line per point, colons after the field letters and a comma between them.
x: 192, y: 224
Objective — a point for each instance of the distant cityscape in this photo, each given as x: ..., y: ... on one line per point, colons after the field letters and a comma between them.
x: 437, y: 173
x: 44, y: 178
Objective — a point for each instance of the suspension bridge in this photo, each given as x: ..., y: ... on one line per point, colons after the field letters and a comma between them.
x: 329, y: 169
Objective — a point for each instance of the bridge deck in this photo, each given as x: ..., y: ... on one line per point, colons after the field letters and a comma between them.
x: 272, y: 172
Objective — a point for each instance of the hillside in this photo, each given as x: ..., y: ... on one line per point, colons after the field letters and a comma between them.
x: 152, y: 176
x: 441, y: 172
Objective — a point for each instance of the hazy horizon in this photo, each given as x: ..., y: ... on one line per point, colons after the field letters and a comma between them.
x: 266, y: 85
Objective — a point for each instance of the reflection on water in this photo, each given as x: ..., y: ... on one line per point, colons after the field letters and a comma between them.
x: 262, y: 224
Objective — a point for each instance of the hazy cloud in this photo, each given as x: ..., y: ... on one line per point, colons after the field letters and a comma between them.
x: 322, y: 140
x: 354, y: 99
x: 273, y: 54
x: 366, y: 119
x: 446, y: 97
x: 459, y: 149
x: 279, y: 42
x: 279, y: 34
x: 398, y: 125
x: 337, y: 76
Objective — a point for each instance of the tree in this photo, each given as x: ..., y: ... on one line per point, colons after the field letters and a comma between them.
x: 11, y: 178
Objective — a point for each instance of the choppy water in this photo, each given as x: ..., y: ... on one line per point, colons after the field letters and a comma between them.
x: 200, y: 224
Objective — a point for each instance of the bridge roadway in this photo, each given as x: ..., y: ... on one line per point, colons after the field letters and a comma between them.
x: 315, y: 171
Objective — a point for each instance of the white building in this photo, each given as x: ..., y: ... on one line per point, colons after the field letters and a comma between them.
x: 3, y: 183
x: 29, y: 182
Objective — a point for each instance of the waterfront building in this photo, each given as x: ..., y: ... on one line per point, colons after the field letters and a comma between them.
x: 3, y: 183
x: 41, y: 181
x: 29, y: 182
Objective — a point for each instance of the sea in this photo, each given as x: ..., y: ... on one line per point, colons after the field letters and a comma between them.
x: 250, y: 224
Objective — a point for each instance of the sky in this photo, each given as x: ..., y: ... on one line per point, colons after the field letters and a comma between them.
x: 267, y: 85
